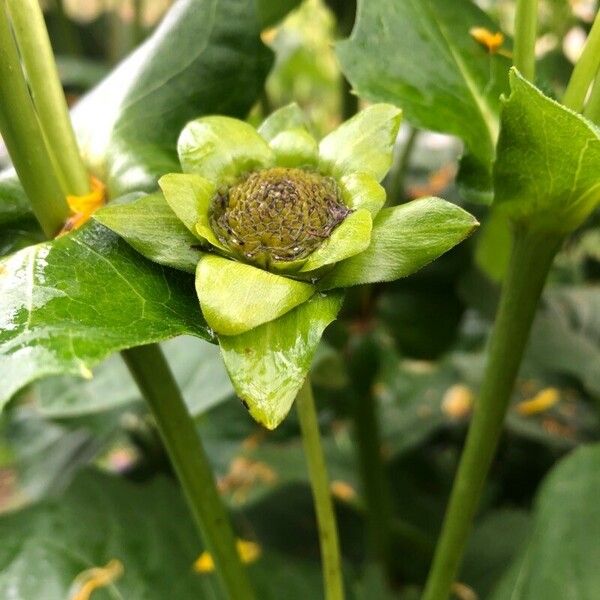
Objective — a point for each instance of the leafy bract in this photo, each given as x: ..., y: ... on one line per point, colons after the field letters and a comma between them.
x: 404, y: 239
x: 351, y: 236
x: 547, y: 174
x: 68, y: 304
x: 236, y: 297
x: 362, y: 191
x: 206, y: 57
x: 295, y: 148
x: 363, y: 144
x: 419, y: 55
x: 560, y: 559
x: 221, y: 149
x: 283, y: 119
x: 150, y: 226
x: 268, y: 364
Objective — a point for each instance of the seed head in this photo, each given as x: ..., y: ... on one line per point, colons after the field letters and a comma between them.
x: 280, y: 214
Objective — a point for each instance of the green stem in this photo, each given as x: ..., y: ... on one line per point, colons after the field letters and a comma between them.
x: 396, y: 191
x: 48, y: 96
x: 592, y: 108
x: 525, y: 35
x: 153, y: 376
x: 328, y: 535
x: 23, y: 137
x: 585, y: 70
x: 373, y: 477
x: 531, y: 259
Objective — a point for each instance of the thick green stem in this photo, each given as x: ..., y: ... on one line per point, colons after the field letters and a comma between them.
x: 585, y: 70
x: 24, y: 140
x: 592, y: 108
x: 531, y: 259
x: 525, y: 35
x: 153, y: 376
x: 328, y: 535
x: 48, y: 97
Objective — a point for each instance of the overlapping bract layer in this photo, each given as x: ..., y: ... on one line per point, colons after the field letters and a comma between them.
x: 280, y: 222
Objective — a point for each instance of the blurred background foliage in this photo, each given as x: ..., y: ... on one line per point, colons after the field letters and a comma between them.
x: 415, y: 348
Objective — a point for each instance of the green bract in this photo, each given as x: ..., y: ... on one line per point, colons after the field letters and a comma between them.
x: 273, y: 224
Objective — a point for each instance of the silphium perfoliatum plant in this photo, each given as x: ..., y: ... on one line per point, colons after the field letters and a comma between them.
x: 275, y: 225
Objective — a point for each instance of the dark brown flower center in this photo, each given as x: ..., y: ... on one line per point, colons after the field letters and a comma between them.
x: 280, y: 214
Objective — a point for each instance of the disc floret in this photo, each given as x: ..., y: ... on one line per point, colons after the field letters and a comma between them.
x: 277, y: 214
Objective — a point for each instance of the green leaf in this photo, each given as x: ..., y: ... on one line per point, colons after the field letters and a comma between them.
x: 560, y: 559
x: 404, y: 239
x: 268, y: 365
x: 295, y: 148
x: 283, y: 119
x: 350, y: 237
x: 236, y: 297
x: 205, y: 57
x: 99, y: 519
x: 362, y: 144
x: 221, y: 149
x: 68, y: 304
x: 151, y: 227
x: 420, y: 56
x: 189, y: 197
x: 196, y: 364
x: 547, y: 174
x: 362, y: 191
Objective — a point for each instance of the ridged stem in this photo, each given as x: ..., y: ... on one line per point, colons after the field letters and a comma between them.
x: 328, y: 534
x: 525, y: 36
x: 48, y: 97
x: 530, y: 262
x: 178, y: 432
x: 24, y: 139
x: 585, y: 70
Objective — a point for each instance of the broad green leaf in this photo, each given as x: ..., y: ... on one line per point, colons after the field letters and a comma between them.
x: 268, y: 365
x: 560, y: 559
x: 295, y: 148
x: 151, y: 227
x: 66, y: 305
x: 283, y: 119
x: 493, y: 544
x: 404, y: 239
x: 362, y: 191
x: 362, y: 144
x: 351, y: 236
x: 236, y: 297
x: 420, y: 55
x: 547, y: 174
x: 43, y: 455
x: 196, y: 364
x: 189, y: 197
x: 206, y: 57
x: 221, y: 149
x: 99, y: 519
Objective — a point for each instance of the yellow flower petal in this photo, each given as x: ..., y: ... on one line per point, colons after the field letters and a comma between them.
x: 249, y: 552
x: 84, y: 206
x: 542, y: 401
x: 491, y: 41
x: 92, y: 579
